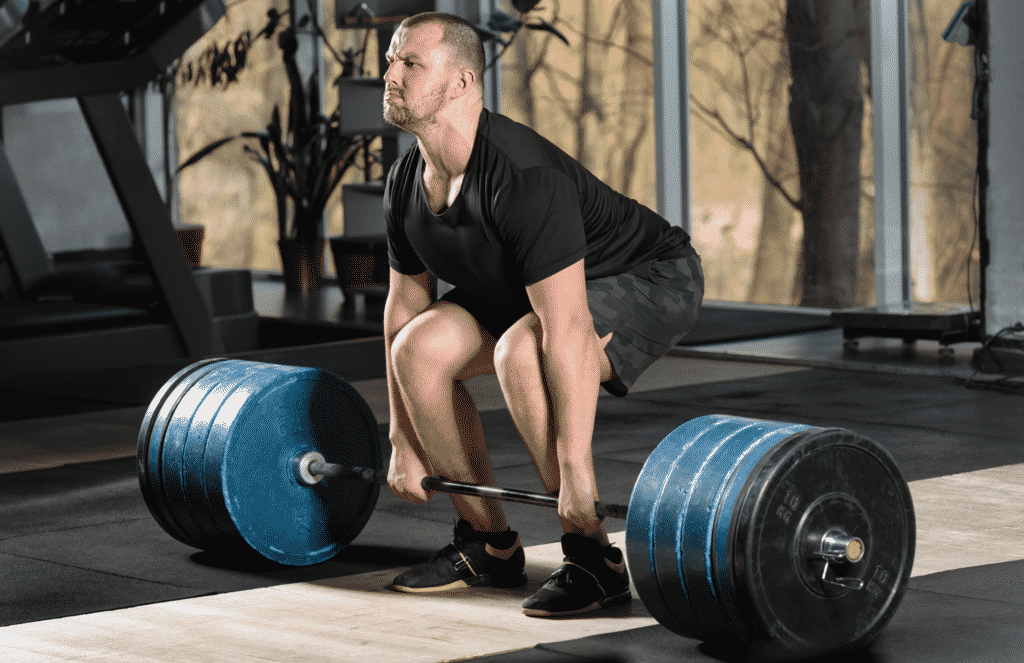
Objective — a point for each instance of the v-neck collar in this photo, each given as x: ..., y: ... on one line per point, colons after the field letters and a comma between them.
x: 457, y: 203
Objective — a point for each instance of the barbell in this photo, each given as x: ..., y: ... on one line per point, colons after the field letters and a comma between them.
x: 780, y: 534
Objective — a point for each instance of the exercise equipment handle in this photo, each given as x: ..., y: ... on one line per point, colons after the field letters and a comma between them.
x: 322, y: 468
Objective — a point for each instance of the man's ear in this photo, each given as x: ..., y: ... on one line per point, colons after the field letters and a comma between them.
x: 464, y: 81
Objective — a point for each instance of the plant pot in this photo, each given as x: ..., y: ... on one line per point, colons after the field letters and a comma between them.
x: 361, y: 262
x: 191, y: 240
x: 302, y: 263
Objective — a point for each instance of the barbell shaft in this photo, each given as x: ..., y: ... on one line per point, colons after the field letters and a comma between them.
x: 458, y: 488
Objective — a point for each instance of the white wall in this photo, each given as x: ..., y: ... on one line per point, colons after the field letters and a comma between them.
x: 1004, y: 278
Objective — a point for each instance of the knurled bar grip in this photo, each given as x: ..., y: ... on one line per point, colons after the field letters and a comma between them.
x: 322, y: 468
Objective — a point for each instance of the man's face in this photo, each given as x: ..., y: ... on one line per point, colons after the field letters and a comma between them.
x: 418, y: 76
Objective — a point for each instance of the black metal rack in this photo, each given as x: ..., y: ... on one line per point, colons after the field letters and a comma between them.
x: 945, y: 323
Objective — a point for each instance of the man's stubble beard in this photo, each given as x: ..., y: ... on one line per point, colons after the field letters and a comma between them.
x: 404, y: 117
x: 400, y: 117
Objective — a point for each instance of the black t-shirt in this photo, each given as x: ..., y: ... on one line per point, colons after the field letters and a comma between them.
x: 526, y: 210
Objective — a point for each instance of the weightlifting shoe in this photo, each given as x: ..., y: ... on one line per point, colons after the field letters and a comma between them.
x: 592, y: 577
x: 468, y: 561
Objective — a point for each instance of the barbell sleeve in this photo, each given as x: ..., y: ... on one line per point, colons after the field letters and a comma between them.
x: 319, y: 468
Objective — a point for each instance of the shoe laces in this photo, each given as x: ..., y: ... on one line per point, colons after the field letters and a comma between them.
x: 443, y: 552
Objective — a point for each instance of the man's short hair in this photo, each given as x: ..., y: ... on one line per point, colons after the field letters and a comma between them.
x: 459, y: 34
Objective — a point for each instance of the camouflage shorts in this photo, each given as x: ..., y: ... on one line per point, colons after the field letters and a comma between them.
x: 648, y: 309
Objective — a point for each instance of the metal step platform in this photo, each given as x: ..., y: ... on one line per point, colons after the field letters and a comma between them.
x: 945, y: 323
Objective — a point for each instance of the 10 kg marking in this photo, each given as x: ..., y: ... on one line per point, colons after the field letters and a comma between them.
x: 876, y: 586
x: 789, y: 504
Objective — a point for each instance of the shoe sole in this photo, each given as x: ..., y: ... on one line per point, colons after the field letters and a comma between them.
x: 462, y: 585
x: 457, y: 586
x: 607, y: 602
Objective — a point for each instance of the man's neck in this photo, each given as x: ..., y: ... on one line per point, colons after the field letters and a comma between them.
x: 447, y: 143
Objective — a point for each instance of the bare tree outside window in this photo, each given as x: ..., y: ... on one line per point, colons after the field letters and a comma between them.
x: 825, y: 97
x: 813, y: 56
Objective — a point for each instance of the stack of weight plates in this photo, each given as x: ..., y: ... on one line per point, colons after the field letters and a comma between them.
x: 216, y: 459
x: 725, y: 525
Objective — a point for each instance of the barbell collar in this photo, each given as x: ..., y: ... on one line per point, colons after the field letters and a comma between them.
x: 310, y: 468
x: 838, y: 546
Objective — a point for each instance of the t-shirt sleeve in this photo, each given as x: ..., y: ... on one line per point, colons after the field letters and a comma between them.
x: 541, y: 222
x: 401, y: 256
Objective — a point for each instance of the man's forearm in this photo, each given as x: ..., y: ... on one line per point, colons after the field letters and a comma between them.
x: 400, y: 427
x: 572, y: 371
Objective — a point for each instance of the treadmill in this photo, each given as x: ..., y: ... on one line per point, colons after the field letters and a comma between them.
x: 102, y: 316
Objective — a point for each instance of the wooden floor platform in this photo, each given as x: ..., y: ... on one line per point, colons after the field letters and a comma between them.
x: 354, y: 618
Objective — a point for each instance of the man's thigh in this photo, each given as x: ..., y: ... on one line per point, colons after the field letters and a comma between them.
x: 648, y: 310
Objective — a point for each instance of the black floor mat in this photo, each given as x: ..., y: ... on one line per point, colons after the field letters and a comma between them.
x: 928, y: 628
x: 78, y: 538
x: 50, y: 395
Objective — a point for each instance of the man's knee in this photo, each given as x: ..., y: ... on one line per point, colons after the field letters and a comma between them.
x: 518, y: 350
x: 417, y: 345
x: 407, y: 343
x: 438, y: 343
x: 402, y: 351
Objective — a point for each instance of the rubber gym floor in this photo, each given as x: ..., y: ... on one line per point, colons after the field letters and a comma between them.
x: 86, y: 574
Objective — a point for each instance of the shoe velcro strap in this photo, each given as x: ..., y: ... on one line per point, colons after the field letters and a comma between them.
x: 460, y: 562
x: 564, y: 569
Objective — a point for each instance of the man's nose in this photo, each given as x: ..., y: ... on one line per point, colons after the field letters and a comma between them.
x: 391, y: 76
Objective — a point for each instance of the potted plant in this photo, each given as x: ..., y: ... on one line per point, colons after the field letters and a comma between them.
x: 304, y: 159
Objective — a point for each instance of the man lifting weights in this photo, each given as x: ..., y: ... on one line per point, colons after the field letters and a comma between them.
x: 561, y: 285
